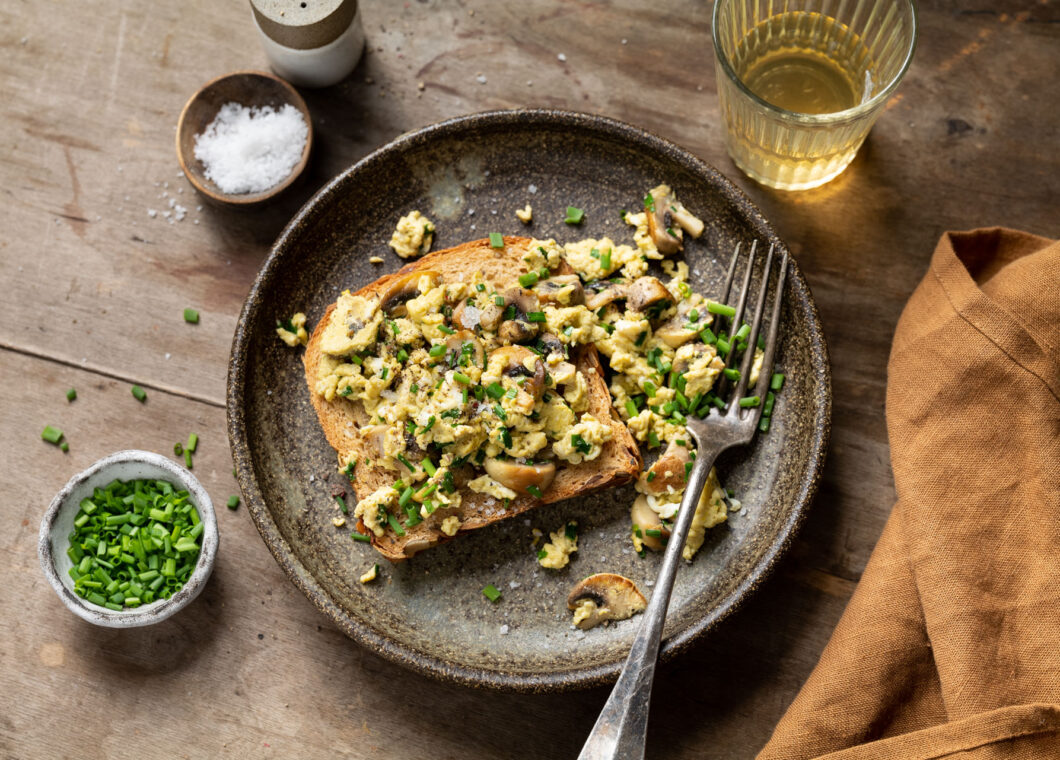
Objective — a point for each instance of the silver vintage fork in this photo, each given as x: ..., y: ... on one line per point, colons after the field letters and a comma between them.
x: 621, y: 729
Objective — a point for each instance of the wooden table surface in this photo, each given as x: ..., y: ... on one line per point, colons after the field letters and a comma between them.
x: 94, y: 287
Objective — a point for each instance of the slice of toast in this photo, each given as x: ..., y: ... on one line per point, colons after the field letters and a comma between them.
x: 618, y: 463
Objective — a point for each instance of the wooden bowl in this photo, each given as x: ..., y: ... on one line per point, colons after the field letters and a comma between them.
x: 248, y: 88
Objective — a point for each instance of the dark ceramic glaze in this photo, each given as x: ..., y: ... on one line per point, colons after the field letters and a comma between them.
x: 429, y: 613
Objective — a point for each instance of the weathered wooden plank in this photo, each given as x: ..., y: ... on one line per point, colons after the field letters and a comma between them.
x: 92, y: 91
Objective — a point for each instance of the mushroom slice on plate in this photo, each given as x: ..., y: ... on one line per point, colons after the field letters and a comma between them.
x: 519, y: 476
x: 404, y: 288
x: 516, y: 360
x: 646, y: 519
x: 647, y: 294
x: 603, y: 597
x: 668, y: 220
x: 562, y: 289
x: 615, y: 291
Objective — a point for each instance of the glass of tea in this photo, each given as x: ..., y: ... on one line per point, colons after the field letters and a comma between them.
x: 801, y: 83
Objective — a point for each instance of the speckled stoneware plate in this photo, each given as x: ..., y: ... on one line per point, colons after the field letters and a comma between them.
x: 469, y: 175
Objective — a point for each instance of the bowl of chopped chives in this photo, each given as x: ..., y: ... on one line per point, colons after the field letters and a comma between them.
x: 129, y: 541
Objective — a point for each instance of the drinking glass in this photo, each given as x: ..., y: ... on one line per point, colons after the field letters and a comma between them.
x: 801, y: 82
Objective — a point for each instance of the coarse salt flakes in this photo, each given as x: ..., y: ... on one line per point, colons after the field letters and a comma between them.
x: 249, y: 150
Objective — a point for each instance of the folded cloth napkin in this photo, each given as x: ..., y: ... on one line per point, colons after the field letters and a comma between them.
x: 950, y: 646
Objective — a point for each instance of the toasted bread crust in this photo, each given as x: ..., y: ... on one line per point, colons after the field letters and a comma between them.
x: 619, y: 462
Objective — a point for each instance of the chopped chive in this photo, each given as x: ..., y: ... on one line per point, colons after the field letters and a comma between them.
x: 605, y: 260
x: 395, y: 525
x: 401, y: 458
x: 71, y: 394
x: 732, y: 374
x: 446, y: 329
x: 480, y: 287
x: 721, y: 309
x: 535, y: 316
x: 767, y: 408
x: 653, y: 532
x: 529, y: 279
x: 192, y: 316
x: 357, y: 536
x: 496, y: 240
x: 707, y: 336
x: 178, y: 449
x: 193, y: 442
x: 187, y: 459
x: 342, y: 504
x: 763, y: 424
x: 491, y: 593
x: 495, y: 390
x: 651, y: 476
x: 723, y: 348
x: 139, y: 393
x: 64, y: 447
x: 749, y: 402
x: 233, y: 501
x: 402, y: 355
x: 499, y: 411
x: 534, y: 491
x: 631, y: 408
x: 437, y: 349
x: 428, y: 466
x: 649, y: 203
x: 776, y: 382
x: 653, y: 440
x: 649, y: 388
x: 574, y: 215
x: 51, y: 434
x: 693, y: 316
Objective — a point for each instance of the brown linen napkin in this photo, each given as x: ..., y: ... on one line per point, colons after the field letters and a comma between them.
x: 950, y: 646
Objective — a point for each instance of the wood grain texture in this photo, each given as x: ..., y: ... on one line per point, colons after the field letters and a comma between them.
x: 94, y: 290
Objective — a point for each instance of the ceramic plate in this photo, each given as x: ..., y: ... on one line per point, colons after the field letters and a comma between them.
x: 469, y: 175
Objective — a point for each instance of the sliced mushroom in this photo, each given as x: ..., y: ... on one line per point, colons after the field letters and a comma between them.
x: 602, y: 597
x: 415, y: 546
x: 459, y: 339
x: 615, y: 291
x: 661, y: 221
x: 515, y: 361
x: 519, y: 477
x: 549, y: 344
x: 685, y: 219
x: 677, y: 330
x: 525, y: 301
x: 669, y: 470
x: 646, y: 519
x: 517, y: 331
x: 563, y: 289
x: 401, y: 289
x: 647, y: 293
x: 689, y: 353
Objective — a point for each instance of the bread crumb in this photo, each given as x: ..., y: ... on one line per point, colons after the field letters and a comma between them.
x: 339, y: 521
x: 371, y: 575
x: 525, y: 215
x: 376, y: 260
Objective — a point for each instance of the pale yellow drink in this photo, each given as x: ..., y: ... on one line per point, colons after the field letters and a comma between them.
x: 800, y: 90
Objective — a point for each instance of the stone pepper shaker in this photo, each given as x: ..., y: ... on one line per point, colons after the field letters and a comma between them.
x: 310, y: 43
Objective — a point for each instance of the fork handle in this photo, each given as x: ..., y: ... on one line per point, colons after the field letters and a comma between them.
x: 621, y: 729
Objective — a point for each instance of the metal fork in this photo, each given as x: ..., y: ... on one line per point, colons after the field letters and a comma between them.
x: 622, y: 727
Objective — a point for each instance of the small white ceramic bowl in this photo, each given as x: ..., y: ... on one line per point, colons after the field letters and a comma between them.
x: 58, y: 522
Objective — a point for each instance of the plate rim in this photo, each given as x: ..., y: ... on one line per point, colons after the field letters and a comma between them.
x: 362, y: 632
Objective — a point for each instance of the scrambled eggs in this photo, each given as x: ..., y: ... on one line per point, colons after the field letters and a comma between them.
x: 556, y: 553
x: 413, y: 236
x: 292, y: 332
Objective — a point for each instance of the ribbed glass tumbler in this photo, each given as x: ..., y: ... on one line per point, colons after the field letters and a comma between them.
x: 801, y: 82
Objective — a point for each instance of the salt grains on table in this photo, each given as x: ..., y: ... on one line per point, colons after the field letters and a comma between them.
x: 248, y: 150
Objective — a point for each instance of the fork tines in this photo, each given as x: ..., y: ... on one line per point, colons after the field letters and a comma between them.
x: 736, y: 321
